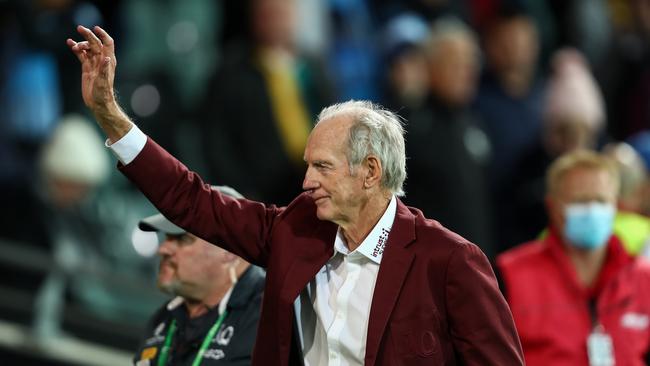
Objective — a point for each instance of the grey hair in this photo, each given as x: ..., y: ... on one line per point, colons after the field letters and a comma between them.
x: 449, y: 28
x: 374, y: 131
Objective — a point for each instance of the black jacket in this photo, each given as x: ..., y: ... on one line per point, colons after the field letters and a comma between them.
x: 233, y: 343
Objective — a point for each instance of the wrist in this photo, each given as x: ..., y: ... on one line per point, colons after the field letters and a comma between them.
x: 106, y: 109
x: 112, y: 120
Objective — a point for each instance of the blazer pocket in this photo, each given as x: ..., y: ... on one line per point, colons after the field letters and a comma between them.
x: 416, y: 340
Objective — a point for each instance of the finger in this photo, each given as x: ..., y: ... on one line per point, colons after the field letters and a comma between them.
x: 82, y: 45
x: 93, y: 41
x: 79, y: 52
x: 78, y: 45
x: 104, y: 37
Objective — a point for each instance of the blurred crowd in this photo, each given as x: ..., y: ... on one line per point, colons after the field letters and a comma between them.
x: 491, y: 92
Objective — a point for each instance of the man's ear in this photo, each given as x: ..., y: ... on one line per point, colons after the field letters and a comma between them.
x: 374, y: 172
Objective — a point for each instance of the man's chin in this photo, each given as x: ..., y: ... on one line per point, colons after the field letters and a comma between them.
x: 170, y: 287
x: 322, y: 214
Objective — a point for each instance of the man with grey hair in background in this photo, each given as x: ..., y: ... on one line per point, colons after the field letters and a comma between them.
x: 369, y: 280
x: 448, y: 152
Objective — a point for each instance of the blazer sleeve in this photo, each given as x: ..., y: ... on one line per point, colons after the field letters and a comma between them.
x: 482, y: 328
x: 240, y: 226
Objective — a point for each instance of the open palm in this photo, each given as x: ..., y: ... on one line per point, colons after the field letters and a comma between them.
x: 97, y: 57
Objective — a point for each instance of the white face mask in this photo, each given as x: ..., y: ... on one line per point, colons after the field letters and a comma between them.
x: 588, y: 225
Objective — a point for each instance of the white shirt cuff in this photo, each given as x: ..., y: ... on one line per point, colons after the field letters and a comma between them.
x: 129, y: 146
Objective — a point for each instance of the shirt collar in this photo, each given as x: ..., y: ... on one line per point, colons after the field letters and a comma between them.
x: 373, y: 245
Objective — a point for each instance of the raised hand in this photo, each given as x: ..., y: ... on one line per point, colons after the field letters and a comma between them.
x: 97, y: 57
x: 98, y: 62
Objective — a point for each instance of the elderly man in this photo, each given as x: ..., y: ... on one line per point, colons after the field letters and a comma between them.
x: 213, y: 318
x: 373, y: 282
x: 577, y: 297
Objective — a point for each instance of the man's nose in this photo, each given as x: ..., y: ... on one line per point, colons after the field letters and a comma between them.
x: 167, y: 247
x: 308, y: 183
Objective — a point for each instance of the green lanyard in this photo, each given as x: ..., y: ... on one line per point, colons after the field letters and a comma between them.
x: 164, y: 353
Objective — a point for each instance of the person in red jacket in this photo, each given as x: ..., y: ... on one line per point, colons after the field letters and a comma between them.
x: 576, y: 296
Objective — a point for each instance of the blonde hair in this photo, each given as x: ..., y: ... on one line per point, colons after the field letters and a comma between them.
x: 585, y: 159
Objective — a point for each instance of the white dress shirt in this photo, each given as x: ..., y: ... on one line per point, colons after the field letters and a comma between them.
x: 334, y: 309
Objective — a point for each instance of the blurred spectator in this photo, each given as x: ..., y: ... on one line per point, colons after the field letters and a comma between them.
x: 573, y: 97
x: 573, y: 118
x: 625, y: 75
x: 510, y: 96
x: 261, y: 105
x: 52, y: 212
x: 313, y: 27
x: 34, y: 84
x: 546, y: 24
x: 62, y: 215
x: 585, y: 25
x: 71, y: 167
x: 509, y: 103
x: 213, y: 318
x: 174, y: 38
x: 632, y: 227
x: 353, y: 55
x: 483, y: 13
x: 633, y: 174
x: 169, y: 52
x: 407, y: 79
x: 640, y: 142
x: 447, y: 152
x: 576, y: 296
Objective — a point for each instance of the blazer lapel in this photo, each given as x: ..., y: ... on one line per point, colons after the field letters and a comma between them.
x: 311, y: 256
x: 395, y: 264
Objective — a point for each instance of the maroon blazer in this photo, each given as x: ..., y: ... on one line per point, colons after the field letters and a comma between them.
x: 436, y: 300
